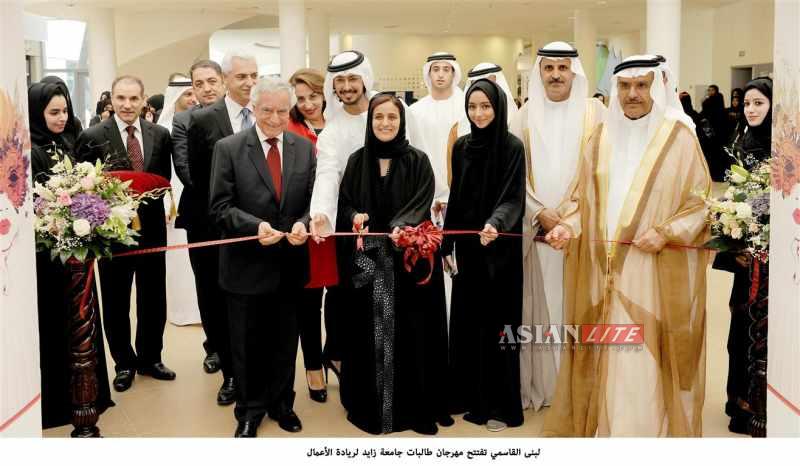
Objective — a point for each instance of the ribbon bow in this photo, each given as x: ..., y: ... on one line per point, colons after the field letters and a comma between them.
x: 420, y: 242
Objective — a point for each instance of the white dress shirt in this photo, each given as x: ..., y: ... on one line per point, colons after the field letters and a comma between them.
x: 265, y: 145
x: 123, y: 132
x: 235, y: 113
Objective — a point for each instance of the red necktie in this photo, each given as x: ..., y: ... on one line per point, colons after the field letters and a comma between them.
x: 135, y: 150
x: 274, y: 164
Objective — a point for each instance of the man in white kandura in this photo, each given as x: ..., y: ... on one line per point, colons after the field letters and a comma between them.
x: 640, y: 218
x: 554, y: 125
x: 437, y: 114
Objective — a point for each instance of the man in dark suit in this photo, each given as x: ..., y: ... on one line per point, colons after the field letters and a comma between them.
x: 126, y: 141
x: 206, y: 76
x: 261, y: 184
x: 208, y: 125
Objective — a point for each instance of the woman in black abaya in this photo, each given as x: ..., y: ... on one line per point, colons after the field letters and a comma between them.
x: 395, y: 362
x: 53, y: 126
x: 754, y: 147
x: 486, y: 194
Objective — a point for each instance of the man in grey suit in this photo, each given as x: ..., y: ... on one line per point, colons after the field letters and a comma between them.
x: 261, y: 183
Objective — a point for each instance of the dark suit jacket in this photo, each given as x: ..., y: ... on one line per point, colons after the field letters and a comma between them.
x: 206, y: 126
x: 243, y: 196
x: 104, y: 142
x: 180, y: 146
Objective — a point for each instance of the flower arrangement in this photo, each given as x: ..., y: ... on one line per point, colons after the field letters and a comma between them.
x: 82, y: 210
x: 740, y: 219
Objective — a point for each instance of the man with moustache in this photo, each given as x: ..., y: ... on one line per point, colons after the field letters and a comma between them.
x: 553, y: 125
x: 642, y: 186
x: 207, y: 82
x: 128, y: 141
x: 207, y: 125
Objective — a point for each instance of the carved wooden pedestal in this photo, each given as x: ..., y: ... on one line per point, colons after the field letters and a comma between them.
x: 83, y: 329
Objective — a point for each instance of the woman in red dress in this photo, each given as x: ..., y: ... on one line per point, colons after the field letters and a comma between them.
x: 306, y: 120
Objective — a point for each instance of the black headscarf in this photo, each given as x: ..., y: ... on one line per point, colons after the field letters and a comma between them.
x: 686, y: 103
x: 758, y: 139
x: 39, y: 96
x: 403, y: 197
x: 489, y: 142
x: 390, y: 149
x: 370, y: 185
x: 156, y: 101
x: 74, y: 127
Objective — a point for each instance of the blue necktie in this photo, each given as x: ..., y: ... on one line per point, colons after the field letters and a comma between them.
x: 247, y: 121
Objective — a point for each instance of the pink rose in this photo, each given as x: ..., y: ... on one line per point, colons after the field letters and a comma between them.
x: 87, y: 183
x: 64, y: 199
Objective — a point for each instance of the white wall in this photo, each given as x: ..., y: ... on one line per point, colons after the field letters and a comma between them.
x: 745, y: 26
x: 397, y: 59
x: 697, y: 58
x: 139, y: 33
x: 629, y: 43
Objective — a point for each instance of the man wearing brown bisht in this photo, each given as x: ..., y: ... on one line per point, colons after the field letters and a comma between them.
x: 639, y: 202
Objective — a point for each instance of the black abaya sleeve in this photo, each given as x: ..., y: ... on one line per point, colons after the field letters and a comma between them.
x: 511, y: 200
x: 452, y: 219
x: 416, y: 174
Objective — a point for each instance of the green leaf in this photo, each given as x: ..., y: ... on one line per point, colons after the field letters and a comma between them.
x: 81, y: 253
x: 64, y: 256
x: 739, y: 170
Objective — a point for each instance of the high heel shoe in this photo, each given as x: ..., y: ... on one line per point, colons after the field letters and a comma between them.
x: 328, y: 364
x: 320, y: 396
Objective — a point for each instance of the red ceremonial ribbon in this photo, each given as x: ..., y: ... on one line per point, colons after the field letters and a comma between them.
x: 420, y: 242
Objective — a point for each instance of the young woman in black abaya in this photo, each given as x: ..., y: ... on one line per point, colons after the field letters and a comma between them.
x: 487, y: 193
x: 754, y: 146
x: 53, y: 126
x: 395, y: 361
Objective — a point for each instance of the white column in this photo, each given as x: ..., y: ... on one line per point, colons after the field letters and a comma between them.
x: 292, y: 17
x: 783, y: 372
x: 20, y: 409
x: 102, y: 50
x: 585, y: 38
x: 664, y: 32
x: 319, y: 39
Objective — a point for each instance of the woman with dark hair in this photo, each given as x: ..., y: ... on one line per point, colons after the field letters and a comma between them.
x: 105, y: 95
x: 487, y: 193
x: 306, y: 120
x: 754, y: 147
x: 718, y: 160
x: 106, y: 112
x: 53, y: 132
x: 395, y: 363
x: 735, y: 114
x: 74, y: 125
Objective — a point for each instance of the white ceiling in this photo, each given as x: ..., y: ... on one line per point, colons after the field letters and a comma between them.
x: 517, y: 18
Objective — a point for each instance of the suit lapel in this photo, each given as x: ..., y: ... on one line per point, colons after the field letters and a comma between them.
x: 259, y: 159
x: 147, y: 140
x: 287, y: 165
x: 113, y: 135
x: 222, y: 117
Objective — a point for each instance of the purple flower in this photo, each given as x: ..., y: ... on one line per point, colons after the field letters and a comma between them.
x: 761, y: 205
x: 39, y: 205
x: 90, y: 207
